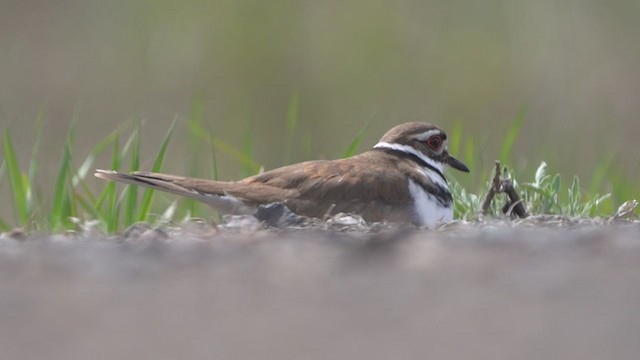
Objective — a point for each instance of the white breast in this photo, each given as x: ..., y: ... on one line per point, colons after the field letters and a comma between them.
x: 429, y: 212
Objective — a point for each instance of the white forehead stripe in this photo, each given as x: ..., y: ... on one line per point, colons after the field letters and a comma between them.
x: 413, y: 151
x: 425, y: 135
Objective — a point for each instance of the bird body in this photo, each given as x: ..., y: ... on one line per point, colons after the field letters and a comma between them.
x: 399, y: 180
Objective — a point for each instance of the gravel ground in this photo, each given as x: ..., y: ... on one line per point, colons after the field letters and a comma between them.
x: 544, y: 288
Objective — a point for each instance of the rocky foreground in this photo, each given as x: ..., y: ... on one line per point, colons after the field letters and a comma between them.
x: 541, y: 288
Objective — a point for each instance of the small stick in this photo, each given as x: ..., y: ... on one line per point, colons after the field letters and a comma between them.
x: 515, y: 203
x: 494, y: 188
x: 498, y: 185
x: 327, y: 214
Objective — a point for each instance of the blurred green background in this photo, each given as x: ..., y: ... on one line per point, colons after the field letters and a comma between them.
x: 472, y: 65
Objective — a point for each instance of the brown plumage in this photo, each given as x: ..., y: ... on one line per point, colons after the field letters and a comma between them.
x: 373, y: 184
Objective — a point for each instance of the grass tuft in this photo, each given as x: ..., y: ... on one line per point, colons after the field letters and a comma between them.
x: 16, y: 184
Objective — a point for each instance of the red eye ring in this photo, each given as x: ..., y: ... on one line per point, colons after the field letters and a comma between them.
x: 434, y: 142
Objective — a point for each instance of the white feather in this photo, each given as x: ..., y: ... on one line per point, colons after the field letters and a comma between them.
x: 227, y: 204
x: 429, y: 212
x: 427, y: 134
x: 413, y: 151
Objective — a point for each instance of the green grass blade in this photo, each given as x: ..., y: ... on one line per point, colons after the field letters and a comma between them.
x: 157, y: 167
x: 107, y: 192
x: 132, y: 195
x: 15, y: 180
x: 103, y: 196
x: 470, y: 155
x: 116, y: 160
x: 63, y: 207
x: 4, y: 225
x: 86, y: 204
x: 512, y: 135
x: 3, y: 171
x: 574, y: 196
x: 114, y: 218
x: 87, y: 164
x: 455, y: 139
x: 245, y: 160
x: 108, y: 140
x: 195, y: 120
x: 88, y: 193
x: 130, y: 142
x: 214, y: 164
x: 353, y: 147
x: 60, y: 207
x: 28, y: 194
x: 72, y: 205
x: 226, y: 148
x: 113, y: 210
x: 33, y: 164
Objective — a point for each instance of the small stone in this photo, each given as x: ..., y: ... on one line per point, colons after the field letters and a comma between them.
x: 150, y: 237
x: 195, y: 221
x: 16, y: 234
x: 154, y: 234
x: 199, y: 224
x: 278, y: 215
x: 347, y: 222
x: 241, y: 223
x: 72, y: 234
x: 136, y: 230
x: 197, y: 229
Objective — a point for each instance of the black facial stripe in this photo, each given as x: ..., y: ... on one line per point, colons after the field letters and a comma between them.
x: 416, y: 159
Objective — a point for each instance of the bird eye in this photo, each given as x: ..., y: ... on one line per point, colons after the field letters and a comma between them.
x: 434, y: 142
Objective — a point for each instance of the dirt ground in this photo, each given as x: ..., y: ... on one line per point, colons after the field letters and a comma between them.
x: 556, y: 289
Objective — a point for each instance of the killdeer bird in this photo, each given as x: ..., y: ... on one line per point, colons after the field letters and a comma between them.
x: 399, y: 180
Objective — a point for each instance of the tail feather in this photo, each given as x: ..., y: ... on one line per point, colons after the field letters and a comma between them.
x: 144, y: 179
x: 209, y: 192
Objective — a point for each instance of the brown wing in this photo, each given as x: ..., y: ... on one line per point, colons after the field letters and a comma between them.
x: 367, y: 184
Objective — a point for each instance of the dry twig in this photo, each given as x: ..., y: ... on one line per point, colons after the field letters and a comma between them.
x: 499, y: 185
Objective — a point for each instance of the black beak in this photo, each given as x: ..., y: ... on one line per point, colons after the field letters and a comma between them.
x: 455, y: 163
